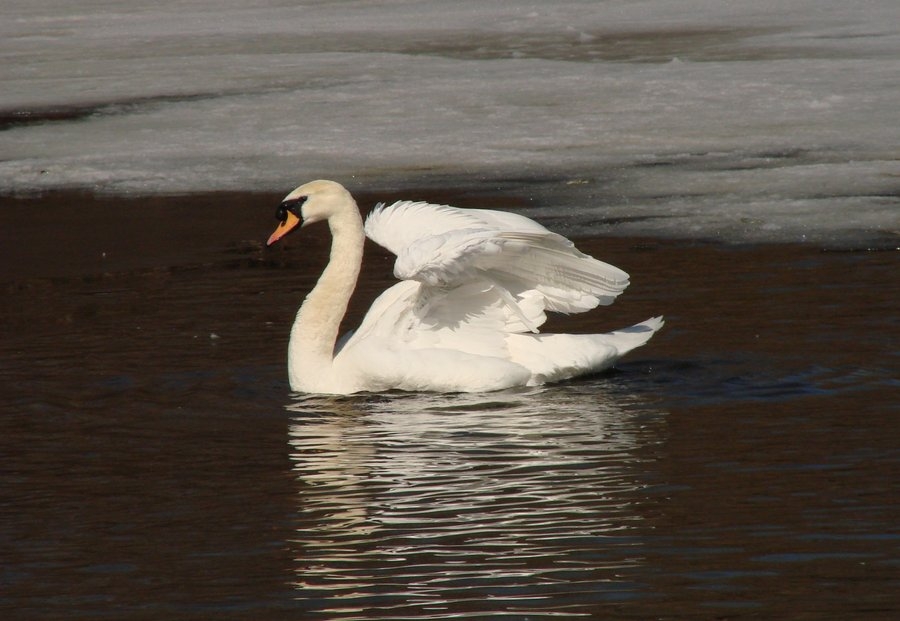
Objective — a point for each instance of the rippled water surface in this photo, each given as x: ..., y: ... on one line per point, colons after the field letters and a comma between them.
x: 519, y: 502
x: 154, y: 464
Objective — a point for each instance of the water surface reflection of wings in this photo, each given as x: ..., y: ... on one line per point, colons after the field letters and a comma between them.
x: 413, y: 504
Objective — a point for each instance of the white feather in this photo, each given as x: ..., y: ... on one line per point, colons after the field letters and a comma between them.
x: 443, y: 246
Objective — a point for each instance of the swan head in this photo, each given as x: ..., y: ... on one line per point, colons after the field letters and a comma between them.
x: 311, y: 202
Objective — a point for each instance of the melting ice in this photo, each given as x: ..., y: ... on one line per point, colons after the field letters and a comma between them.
x: 765, y: 120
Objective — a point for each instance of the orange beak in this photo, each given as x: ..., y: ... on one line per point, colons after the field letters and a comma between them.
x: 289, y: 224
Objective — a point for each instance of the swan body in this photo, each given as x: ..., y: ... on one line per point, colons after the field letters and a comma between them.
x: 475, y: 286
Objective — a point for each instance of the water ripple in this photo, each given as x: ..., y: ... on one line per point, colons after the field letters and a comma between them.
x: 421, y: 506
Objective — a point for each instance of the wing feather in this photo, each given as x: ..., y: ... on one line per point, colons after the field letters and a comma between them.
x: 482, y: 265
x: 400, y: 225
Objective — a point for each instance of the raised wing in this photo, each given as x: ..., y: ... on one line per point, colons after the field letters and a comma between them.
x: 445, y: 248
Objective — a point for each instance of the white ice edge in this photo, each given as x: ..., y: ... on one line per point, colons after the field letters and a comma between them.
x: 772, y: 121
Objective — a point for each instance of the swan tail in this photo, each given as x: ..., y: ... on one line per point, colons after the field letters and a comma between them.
x: 555, y: 357
x: 634, y: 336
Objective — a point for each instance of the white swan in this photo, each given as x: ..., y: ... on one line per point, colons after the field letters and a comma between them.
x: 474, y: 288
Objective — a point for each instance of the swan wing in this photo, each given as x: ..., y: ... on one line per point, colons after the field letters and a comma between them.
x: 445, y: 248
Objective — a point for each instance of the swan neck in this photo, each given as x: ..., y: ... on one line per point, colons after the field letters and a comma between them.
x: 315, y: 329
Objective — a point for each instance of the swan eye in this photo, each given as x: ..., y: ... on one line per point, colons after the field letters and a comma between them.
x: 293, y: 205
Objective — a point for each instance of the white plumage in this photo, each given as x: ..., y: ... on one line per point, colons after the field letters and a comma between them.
x: 475, y: 286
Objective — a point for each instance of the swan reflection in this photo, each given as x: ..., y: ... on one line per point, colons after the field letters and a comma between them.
x: 423, y: 505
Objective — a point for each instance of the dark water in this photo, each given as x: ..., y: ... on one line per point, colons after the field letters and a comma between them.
x: 743, y: 465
